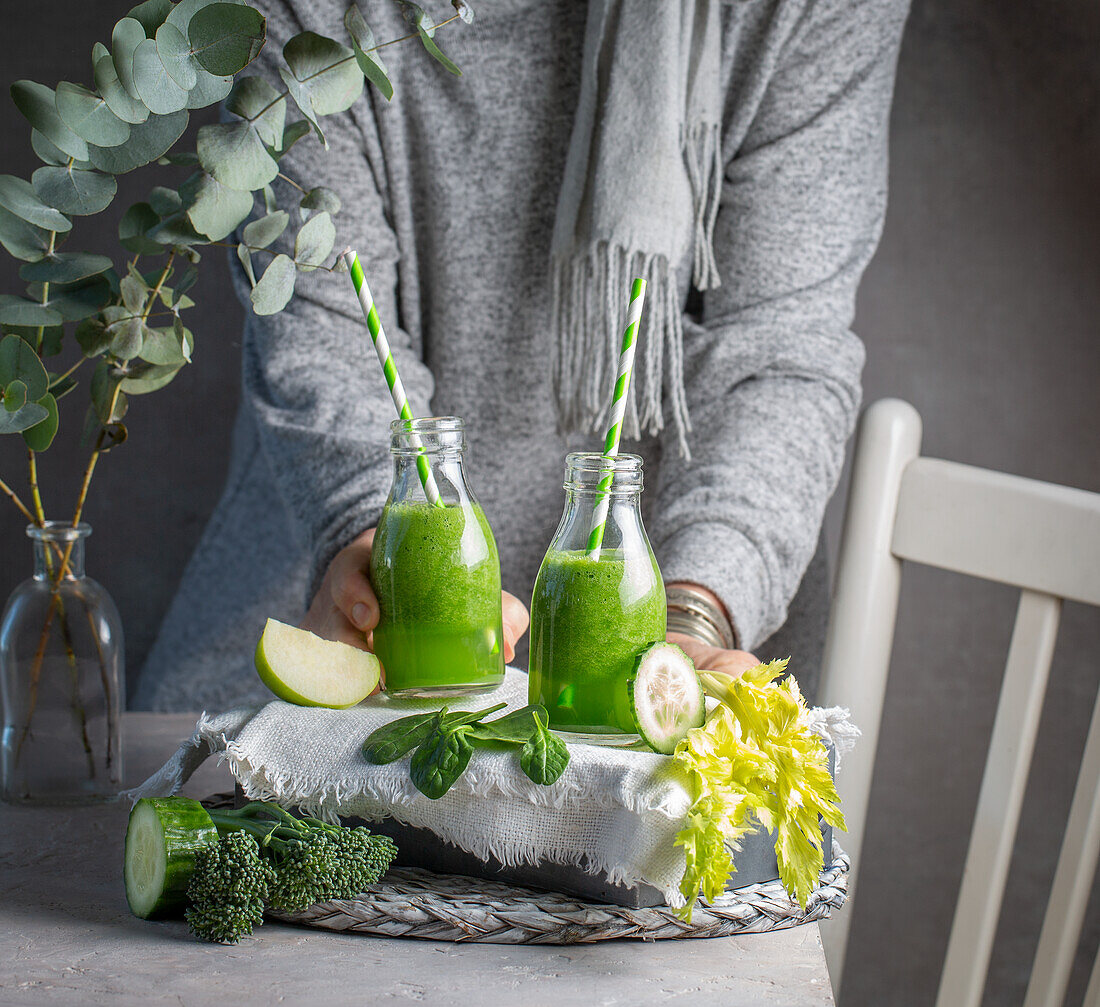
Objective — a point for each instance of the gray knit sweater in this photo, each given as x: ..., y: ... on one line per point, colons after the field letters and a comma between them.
x: 449, y: 195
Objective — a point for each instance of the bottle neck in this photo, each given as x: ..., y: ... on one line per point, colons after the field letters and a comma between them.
x: 55, y: 544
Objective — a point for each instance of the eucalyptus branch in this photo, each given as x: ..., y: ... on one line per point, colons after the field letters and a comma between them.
x: 80, y: 363
x: 32, y: 471
x: 14, y: 497
x: 288, y: 179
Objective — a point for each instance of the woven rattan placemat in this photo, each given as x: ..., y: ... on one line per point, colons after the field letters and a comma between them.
x: 410, y: 902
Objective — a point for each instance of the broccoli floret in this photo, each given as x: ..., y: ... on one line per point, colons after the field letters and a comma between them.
x: 228, y: 889
x: 307, y: 861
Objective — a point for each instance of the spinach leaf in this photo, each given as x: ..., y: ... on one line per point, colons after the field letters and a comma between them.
x: 441, y: 760
x: 544, y: 756
x: 396, y: 739
x: 515, y: 727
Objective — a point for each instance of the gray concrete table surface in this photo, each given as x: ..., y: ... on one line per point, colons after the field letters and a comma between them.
x: 67, y: 937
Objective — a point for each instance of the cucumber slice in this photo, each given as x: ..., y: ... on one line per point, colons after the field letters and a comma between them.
x: 666, y: 697
x: 162, y: 839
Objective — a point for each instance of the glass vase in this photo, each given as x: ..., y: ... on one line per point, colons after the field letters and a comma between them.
x: 61, y: 661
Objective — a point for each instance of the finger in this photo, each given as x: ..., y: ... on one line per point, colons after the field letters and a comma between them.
x: 350, y: 587
x: 516, y: 621
x: 332, y: 624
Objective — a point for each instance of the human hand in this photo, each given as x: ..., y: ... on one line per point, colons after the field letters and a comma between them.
x: 346, y: 609
x: 708, y: 658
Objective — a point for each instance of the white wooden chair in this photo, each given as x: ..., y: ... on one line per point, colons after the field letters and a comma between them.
x: 1042, y: 538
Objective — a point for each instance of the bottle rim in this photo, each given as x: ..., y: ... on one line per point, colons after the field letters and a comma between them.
x: 427, y: 435
x: 59, y: 531
x: 584, y: 470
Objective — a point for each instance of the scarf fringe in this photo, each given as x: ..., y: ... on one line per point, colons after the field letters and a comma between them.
x: 701, y: 144
x: 590, y: 296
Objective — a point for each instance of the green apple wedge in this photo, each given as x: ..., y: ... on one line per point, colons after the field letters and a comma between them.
x: 310, y: 671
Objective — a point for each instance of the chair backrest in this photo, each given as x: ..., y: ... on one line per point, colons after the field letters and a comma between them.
x: 1042, y: 538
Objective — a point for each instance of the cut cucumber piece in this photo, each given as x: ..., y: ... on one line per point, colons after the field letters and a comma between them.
x: 666, y: 697
x: 162, y: 839
x: 311, y: 671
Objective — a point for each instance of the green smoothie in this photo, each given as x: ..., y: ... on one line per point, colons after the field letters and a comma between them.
x: 436, y: 574
x: 590, y: 619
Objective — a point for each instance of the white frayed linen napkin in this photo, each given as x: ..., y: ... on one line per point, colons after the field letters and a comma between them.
x: 612, y: 811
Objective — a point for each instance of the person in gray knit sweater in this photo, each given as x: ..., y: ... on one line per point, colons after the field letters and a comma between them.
x: 734, y: 153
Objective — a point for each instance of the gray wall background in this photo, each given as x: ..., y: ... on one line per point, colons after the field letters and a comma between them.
x: 981, y: 309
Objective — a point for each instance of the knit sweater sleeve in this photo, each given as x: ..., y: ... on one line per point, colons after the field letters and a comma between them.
x: 310, y: 375
x: 772, y: 369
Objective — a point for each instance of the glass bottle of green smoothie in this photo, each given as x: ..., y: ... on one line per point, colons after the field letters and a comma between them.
x: 435, y: 570
x: 594, y: 612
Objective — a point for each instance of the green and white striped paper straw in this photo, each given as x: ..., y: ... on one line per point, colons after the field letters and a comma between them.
x: 615, y: 419
x: 389, y: 369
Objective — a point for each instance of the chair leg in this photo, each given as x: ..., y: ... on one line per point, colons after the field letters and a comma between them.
x: 861, y: 622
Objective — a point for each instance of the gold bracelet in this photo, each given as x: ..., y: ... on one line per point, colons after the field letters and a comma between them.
x: 694, y: 614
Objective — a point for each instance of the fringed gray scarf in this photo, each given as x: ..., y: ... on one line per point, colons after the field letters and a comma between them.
x: 642, y: 181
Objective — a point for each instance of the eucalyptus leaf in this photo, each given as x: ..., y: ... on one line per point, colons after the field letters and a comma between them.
x: 226, y: 37
x: 177, y: 230
x: 181, y: 159
x: 175, y: 53
x: 208, y: 90
x: 275, y: 288
x: 102, y: 388
x: 40, y: 436
x: 214, y: 209
x: 134, y: 292
x: 261, y: 233
x: 325, y: 71
x: 89, y: 116
x: 128, y: 34
x: 74, y: 301
x: 127, y: 108
x: 19, y: 362
x: 246, y: 260
x: 165, y: 201
x: 22, y: 419
x: 127, y: 337
x: 362, y: 44
x: 235, y: 155
x: 415, y: 15
x: 146, y: 378
x: 74, y: 191
x: 463, y: 10
x: 15, y: 396
x: 436, y: 53
x: 291, y: 135
x: 38, y: 105
x: 254, y: 99
x: 18, y: 195
x: 319, y: 199
x: 64, y: 267
x: 23, y: 240
x: 151, y: 14
x: 314, y: 241
x: 300, y: 93
x: 52, y: 336
x: 50, y: 153
x: 155, y: 86
x: 183, y: 11
x: 148, y: 141
x: 93, y: 337
x: 271, y: 204
x: 136, y: 221
x: 18, y: 311
x: 165, y: 346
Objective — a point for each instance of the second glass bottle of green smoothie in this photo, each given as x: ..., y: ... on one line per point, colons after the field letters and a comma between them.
x: 593, y: 612
x: 435, y: 570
